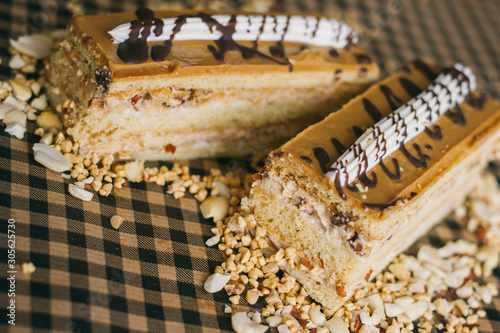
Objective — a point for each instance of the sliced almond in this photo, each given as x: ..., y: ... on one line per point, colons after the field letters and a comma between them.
x: 17, y: 62
x: 15, y: 116
x: 50, y: 157
x: 11, y: 100
x: 216, y: 282
x: 16, y: 130
x: 213, y: 240
x: 36, y: 46
x: 47, y: 138
x: 35, y: 88
x: 80, y: 193
x: 40, y: 103
x: 243, y: 324
x: 4, y: 109
x: 20, y: 91
x: 222, y: 189
x: 274, y: 321
x: 416, y: 309
x: 393, y: 310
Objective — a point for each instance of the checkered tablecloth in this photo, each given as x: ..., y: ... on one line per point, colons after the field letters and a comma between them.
x: 148, y: 275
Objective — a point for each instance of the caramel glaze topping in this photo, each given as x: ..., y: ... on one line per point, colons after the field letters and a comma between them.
x: 401, y: 175
x: 135, y: 49
x: 136, y: 57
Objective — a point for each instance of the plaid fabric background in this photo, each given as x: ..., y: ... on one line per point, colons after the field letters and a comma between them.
x: 148, y: 275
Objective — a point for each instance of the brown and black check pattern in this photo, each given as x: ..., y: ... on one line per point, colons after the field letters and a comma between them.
x: 148, y: 275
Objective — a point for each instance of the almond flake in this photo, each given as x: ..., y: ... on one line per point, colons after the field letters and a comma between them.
x: 243, y: 324
x: 50, y: 157
x: 80, y: 193
x: 216, y: 282
x: 16, y: 117
x: 36, y: 46
x: 16, y: 130
x: 17, y: 62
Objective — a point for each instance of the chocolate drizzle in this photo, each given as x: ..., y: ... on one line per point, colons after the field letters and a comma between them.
x: 476, y: 102
x: 435, y: 133
x: 411, y: 88
x: 370, y: 183
x: 135, y: 49
x: 144, y: 13
x: 226, y: 42
x: 363, y: 59
x: 392, y: 99
x: 381, y: 207
x: 278, y: 50
x: 425, y: 69
x: 418, y: 162
x: 261, y: 30
x: 371, y: 110
x: 357, y: 131
x: 456, y: 115
x: 338, y: 187
x: 352, y: 188
x: 338, y: 146
x: 322, y: 157
x: 334, y: 53
x: 397, y: 171
x: 307, y: 159
x: 160, y: 52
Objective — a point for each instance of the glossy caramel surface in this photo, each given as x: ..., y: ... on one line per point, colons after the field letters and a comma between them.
x: 406, y: 172
x: 194, y: 57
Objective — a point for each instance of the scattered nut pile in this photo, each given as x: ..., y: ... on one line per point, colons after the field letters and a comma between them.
x: 23, y: 99
x: 482, y: 210
x: 437, y: 288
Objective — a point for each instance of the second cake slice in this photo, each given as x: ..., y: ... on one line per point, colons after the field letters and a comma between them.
x: 166, y: 85
x: 356, y: 189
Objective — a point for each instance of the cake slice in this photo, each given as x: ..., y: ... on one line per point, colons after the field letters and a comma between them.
x: 166, y: 85
x: 354, y: 190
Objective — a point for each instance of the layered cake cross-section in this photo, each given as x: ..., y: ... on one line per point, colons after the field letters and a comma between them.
x: 354, y: 190
x: 166, y: 85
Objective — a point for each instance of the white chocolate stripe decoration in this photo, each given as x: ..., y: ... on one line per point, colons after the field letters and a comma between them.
x: 270, y: 28
x: 448, y: 89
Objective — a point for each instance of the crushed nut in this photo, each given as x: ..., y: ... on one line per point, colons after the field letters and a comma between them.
x: 216, y: 207
x: 28, y: 268
x: 116, y: 221
x: 241, y: 323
